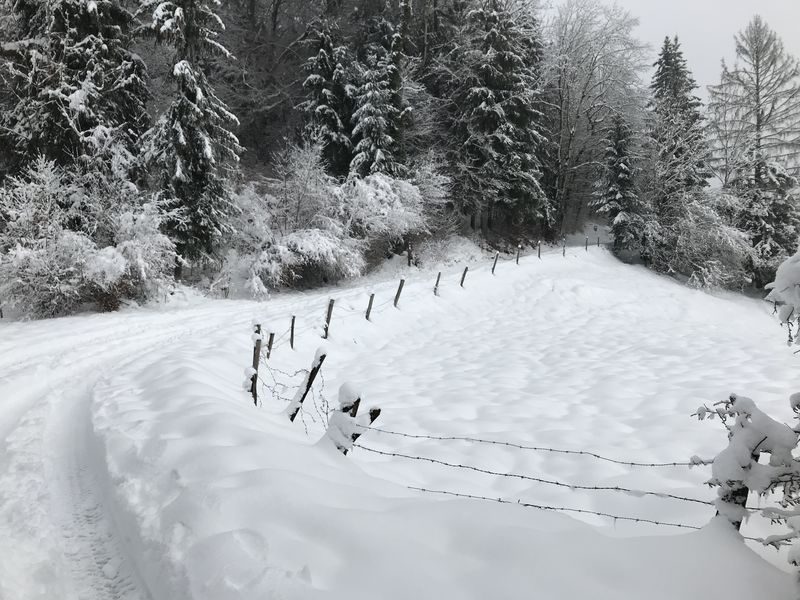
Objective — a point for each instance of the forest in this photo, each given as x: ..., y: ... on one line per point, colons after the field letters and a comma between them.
x: 253, y: 145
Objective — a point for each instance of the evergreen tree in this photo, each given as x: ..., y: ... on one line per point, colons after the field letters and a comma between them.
x: 77, y: 89
x: 329, y: 105
x: 678, y: 153
x: 491, y: 81
x: 617, y: 197
x: 192, y: 148
x: 677, y: 135
x: 770, y: 215
x: 374, y: 117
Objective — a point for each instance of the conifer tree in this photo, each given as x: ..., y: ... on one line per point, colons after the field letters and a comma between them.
x: 756, y: 106
x: 77, y: 89
x: 374, y: 117
x: 677, y: 135
x: 192, y: 147
x: 617, y: 197
x: 678, y: 154
x: 329, y: 104
x: 491, y: 82
x: 756, y: 121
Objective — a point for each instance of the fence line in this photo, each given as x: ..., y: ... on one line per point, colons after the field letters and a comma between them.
x: 691, y: 463
x: 596, y: 488
x: 555, y: 508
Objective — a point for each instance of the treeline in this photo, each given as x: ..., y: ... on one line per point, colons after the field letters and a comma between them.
x: 263, y: 143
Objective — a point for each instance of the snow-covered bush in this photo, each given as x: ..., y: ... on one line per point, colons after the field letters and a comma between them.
x: 304, y: 227
x: 737, y: 470
x: 66, y: 242
x: 703, y: 246
x: 381, y: 209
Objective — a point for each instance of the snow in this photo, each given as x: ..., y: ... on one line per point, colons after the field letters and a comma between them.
x: 134, y: 465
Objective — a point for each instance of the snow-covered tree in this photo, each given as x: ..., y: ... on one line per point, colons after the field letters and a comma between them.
x: 71, y: 238
x: 191, y: 150
x: 592, y: 64
x: 75, y: 84
x: 491, y: 80
x: 677, y: 156
x: 755, y: 112
x: 770, y: 214
x: 617, y: 196
x: 374, y: 117
x: 755, y: 109
x: 328, y: 106
x: 677, y: 135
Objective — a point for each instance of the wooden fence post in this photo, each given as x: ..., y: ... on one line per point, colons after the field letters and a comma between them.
x: 598, y: 241
x: 399, y: 291
x: 519, y: 249
x: 369, y: 306
x: 587, y: 243
x: 328, y: 319
x: 256, y: 361
x: 464, y: 276
x: 291, y: 334
x: 269, y: 343
x: 374, y: 413
x: 494, y: 265
x: 564, y: 249
x: 302, y: 392
x: 436, y: 287
x: 539, y: 245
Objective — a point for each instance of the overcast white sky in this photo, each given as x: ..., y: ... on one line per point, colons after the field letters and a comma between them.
x: 706, y: 28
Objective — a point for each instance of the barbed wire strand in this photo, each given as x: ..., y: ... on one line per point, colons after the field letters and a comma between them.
x: 553, y: 482
x: 702, y: 462
x: 555, y: 508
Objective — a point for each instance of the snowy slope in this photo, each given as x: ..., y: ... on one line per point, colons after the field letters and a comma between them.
x: 134, y: 465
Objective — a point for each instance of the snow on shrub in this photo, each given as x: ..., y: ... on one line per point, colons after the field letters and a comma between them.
x: 737, y: 469
x: 65, y: 242
x: 304, y: 227
x: 703, y: 246
x: 381, y: 208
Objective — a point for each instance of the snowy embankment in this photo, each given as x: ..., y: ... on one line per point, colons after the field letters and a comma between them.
x: 195, y: 493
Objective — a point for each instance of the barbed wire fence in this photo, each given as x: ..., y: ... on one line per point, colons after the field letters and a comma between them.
x: 303, y: 391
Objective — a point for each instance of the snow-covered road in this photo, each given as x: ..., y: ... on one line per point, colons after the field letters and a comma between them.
x: 57, y: 536
x: 133, y: 466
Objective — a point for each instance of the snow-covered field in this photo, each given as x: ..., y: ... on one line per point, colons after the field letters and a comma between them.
x: 135, y: 466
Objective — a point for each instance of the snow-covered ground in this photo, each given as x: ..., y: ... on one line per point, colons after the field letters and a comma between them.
x: 135, y: 466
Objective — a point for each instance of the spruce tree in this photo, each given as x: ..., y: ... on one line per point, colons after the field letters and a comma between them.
x: 678, y: 152
x: 78, y: 91
x: 192, y: 148
x: 490, y: 80
x: 329, y: 104
x: 617, y: 197
x: 677, y: 134
x: 374, y: 117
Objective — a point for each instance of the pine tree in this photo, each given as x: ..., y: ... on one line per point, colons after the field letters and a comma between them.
x: 679, y: 152
x: 490, y: 80
x: 374, y: 117
x: 677, y: 134
x: 770, y: 215
x: 617, y: 197
x: 192, y: 148
x: 329, y: 105
x: 78, y: 90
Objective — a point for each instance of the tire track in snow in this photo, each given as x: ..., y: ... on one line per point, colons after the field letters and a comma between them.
x: 58, y: 538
